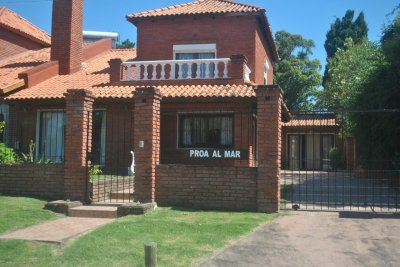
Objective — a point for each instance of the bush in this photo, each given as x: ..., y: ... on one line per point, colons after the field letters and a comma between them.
x: 7, y: 155
x: 335, y: 157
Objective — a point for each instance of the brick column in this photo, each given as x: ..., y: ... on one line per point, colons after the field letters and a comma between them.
x: 269, y: 101
x: 146, y: 141
x: 115, y: 70
x: 238, y: 65
x: 78, y: 141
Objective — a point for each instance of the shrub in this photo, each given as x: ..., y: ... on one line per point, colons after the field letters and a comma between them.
x: 7, y: 155
x: 335, y: 157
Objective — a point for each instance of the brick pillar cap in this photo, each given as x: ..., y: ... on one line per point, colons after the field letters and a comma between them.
x: 268, y: 89
x: 239, y: 57
x: 142, y: 91
x: 115, y: 61
x: 79, y: 93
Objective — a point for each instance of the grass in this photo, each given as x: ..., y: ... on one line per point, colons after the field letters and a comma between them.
x: 183, y: 237
x: 19, y: 212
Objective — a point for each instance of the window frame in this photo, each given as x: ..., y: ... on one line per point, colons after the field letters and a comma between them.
x: 266, y: 70
x: 208, y: 115
x: 5, y: 111
x: 194, y: 48
x: 39, y: 133
x: 103, y: 136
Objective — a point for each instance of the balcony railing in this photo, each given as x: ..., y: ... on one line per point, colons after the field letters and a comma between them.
x: 175, y: 69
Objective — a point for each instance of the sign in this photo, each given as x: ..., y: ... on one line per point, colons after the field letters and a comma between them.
x: 217, y: 154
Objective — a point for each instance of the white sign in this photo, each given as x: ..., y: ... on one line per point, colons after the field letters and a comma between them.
x: 215, y: 154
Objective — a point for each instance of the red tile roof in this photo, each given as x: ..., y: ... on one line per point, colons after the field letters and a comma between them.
x: 309, y: 121
x: 198, y: 7
x: 12, y: 66
x: 204, y: 7
x: 15, y: 23
x: 95, y: 77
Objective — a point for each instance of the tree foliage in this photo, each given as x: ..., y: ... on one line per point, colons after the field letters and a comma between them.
x: 126, y: 44
x: 378, y: 133
x: 349, y: 69
x: 343, y: 29
x: 296, y: 73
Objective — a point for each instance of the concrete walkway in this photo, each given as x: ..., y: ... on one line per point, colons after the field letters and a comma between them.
x: 317, y: 239
x: 57, y: 231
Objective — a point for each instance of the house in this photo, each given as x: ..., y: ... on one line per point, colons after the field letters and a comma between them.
x: 93, y: 36
x: 18, y: 35
x: 194, y: 101
x: 307, y: 140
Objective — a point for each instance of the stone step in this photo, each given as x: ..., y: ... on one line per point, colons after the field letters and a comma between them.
x: 93, y: 211
x: 126, y: 195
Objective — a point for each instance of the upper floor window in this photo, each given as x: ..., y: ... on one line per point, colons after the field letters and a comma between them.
x: 193, y: 52
x: 266, y: 69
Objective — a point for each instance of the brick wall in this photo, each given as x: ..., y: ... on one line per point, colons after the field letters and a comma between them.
x: 13, y: 44
x: 232, y: 188
x: 242, y: 132
x: 39, y: 180
x: 103, y: 188
x: 232, y: 34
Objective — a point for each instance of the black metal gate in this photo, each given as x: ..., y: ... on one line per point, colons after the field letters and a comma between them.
x: 110, y: 173
x: 325, y: 167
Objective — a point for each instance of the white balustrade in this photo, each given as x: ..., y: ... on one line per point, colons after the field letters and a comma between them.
x: 177, y: 70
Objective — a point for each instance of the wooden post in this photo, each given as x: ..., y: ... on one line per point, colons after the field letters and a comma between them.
x: 150, y: 254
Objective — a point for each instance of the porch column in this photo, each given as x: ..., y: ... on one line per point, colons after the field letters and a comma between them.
x: 269, y: 101
x: 78, y: 142
x: 146, y: 141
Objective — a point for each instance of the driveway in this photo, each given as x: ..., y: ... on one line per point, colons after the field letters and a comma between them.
x: 318, y: 239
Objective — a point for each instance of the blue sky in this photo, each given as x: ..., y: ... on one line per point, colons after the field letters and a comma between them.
x: 310, y: 18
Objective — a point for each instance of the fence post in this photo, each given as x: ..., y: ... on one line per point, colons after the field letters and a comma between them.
x: 78, y: 136
x: 269, y: 103
x: 150, y: 253
x: 147, y: 141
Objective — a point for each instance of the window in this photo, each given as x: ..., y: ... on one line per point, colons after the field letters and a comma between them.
x: 50, y: 141
x: 4, y: 118
x: 99, y: 138
x: 206, y: 130
x: 195, y: 51
x: 266, y: 69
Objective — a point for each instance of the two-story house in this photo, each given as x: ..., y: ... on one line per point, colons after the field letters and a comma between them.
x: 194, y: 102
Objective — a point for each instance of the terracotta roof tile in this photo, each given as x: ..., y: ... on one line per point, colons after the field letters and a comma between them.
x: 198, y: 7
x: 94, y: 76
x: 19, y: 25
x: 312, y: 120
x: 12, y: 66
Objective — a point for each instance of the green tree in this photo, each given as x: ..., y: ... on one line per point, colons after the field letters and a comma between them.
x: 351, y: 66
x: 126, y: 44
x: 341, y: 30
x: 377, y: 133
x: 296, y: 73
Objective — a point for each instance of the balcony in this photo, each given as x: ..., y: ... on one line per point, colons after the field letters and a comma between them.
x: 218, y: 70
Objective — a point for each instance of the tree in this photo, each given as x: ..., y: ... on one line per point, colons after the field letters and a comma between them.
x: 351, y: 66
x: 381, y: 92
x: 126, y: 44
x: 296, y: 73
x: 341, y: 30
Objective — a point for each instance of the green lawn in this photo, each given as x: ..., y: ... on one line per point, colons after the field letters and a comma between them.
x: 183, y: 237
x: 19, y: 212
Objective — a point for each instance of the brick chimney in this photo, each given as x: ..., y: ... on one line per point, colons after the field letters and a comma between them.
x: 66, y: 36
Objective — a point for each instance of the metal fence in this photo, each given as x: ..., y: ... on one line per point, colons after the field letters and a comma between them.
x: 111, y: 174
x: 33, y: 137
x: 325, y: 166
